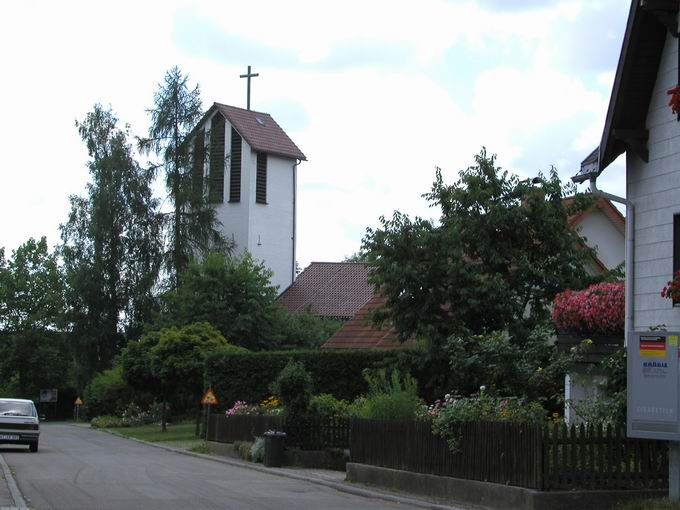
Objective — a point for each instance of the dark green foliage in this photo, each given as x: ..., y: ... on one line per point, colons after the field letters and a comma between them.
x: 111, y: 246
x: 326, y: 405
x: 234, y: 295
x: 293, y: 387
x: 192, y: 226
x: 108, y: 393
x: 389, y: 397
x: 248, y: 376
x: 501, y: 245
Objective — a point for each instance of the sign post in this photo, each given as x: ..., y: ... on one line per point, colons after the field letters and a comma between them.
x: 76, y: 408
x: 653, y: 397
x: 208, y: 400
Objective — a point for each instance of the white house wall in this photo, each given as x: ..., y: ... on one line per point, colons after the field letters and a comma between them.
x: 602, y: 234
x: 654, y: 189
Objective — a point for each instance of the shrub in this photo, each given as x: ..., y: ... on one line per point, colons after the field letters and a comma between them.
x: 393, y: 398
x: 257, y: 450
x: 131, y: 416
x: 483, y: 407
x: 599, y: 309
x: 247, y: 376
x: 293, y: 386
x: 108, y: 393
x: 326, y: 405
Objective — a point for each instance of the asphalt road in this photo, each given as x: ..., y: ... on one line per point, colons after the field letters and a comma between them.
x: 79, y: 468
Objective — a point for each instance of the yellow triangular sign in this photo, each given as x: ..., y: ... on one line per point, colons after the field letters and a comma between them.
x: 79, y: 402
x: 209, y: 398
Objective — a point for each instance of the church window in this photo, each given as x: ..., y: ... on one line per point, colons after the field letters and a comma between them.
x: 197, y: 161
x: 261, y: 179
x: 235, y: 167
x: 216, y: 182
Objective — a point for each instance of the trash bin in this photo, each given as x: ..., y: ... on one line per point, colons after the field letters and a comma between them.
x: 274, y: 448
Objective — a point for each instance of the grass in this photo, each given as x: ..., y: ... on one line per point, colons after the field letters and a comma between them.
x: 650, y: 504
x: 153, y: 434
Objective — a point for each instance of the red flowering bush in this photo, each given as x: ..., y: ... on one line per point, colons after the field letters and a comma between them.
x: 674, y: 101
x: 672, y: 288
x: 599, y: 309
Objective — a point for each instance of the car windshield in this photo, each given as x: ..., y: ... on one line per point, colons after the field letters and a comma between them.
x: 8, y: 408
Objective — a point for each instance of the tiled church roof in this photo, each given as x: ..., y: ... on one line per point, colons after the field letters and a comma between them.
x: 329, y: 289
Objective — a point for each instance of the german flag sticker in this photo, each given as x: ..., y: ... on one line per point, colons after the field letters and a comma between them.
x: 653, y: 346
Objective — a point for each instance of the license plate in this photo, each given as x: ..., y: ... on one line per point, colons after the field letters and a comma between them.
x: 8, y: 437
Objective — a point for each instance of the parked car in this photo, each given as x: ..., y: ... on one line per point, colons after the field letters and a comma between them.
x: 19, y: 423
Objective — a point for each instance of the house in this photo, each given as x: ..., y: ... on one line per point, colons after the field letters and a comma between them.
x: 640, y: 123
x: 251, y: 176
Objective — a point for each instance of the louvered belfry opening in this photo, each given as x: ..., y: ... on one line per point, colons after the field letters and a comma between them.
x: 235, y: 166
x: 197, y: 163
x: 261, y: 179
x: 216, y: 179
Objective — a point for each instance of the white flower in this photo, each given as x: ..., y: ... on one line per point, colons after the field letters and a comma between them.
x: 482, y: 388
x: 447, y: 396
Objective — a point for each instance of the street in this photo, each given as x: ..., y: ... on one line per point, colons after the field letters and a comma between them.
x: 80, y: 468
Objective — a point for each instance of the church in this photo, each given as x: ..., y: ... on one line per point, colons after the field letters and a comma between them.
x: 251, y: 175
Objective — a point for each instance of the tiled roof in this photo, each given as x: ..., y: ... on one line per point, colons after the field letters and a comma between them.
x: 260, y: 130
x: 360, y: 333
x: 329, y: 289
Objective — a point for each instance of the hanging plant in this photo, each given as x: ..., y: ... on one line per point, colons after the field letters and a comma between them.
x: 674, y: 101
x: 672, y: 288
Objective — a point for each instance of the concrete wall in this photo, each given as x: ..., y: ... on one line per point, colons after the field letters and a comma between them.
x: 270, y: 238
x: 654, y: 188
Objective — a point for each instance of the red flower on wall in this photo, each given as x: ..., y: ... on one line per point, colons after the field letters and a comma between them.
x: 672, y: 288
x: 674, y: 101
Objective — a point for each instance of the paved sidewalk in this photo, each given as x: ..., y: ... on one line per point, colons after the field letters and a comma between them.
x: 6, y: 500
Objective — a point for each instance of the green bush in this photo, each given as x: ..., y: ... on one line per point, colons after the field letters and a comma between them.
x: 293, y: 386
x: 326, y: 405
x: 483, y: 407
x: 247, y: 376
x: 257, y: 450
x: 390, y: 398
x: 131, y: 416
x: 108, y: 393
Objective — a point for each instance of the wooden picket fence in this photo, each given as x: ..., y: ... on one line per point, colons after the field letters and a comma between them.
x: 554, y: 457
x: 311, y: 434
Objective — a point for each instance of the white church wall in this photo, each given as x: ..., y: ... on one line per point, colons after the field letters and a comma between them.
x: 271, y: 232
x: 602, y: 234
x: 654, y: 188
x: 234, y: 216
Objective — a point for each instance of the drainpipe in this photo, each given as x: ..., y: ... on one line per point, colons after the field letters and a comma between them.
x: 295, y: 165
x: 630, y: 251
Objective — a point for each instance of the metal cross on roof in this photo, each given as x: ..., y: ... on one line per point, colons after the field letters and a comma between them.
x: 249, y: 75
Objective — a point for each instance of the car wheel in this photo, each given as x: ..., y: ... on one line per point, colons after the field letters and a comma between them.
x: 33, y: 447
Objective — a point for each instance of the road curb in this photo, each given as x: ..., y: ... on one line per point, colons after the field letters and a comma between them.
x: 341, y: 487
x: 14, y: 491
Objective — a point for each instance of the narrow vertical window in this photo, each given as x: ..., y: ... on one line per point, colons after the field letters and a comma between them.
x: 197, y: 163
x: 216, y: 182
x: 676, y: 249
x: 235, y: 167
x: 261, y: 179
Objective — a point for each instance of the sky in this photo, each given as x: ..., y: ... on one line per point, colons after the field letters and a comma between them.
x: 376, y: 93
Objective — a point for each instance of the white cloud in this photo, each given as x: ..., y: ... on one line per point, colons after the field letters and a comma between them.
x: 373, y: 135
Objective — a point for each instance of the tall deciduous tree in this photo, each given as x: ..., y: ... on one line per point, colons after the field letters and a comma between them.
x: 191, y: 227
x: 111, y: 245
x: 501, y: 250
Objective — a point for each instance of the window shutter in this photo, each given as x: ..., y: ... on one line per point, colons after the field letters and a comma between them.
x: 197, y: 161
x: 235, y: 167
x: 216, y: 182
x: 261, y: 180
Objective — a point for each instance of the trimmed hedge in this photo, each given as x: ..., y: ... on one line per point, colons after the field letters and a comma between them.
x: 248, y: 376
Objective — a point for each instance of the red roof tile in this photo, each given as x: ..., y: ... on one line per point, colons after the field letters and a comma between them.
x: 360, y: 333
x: 260, y: 130
x: 329, y: 289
